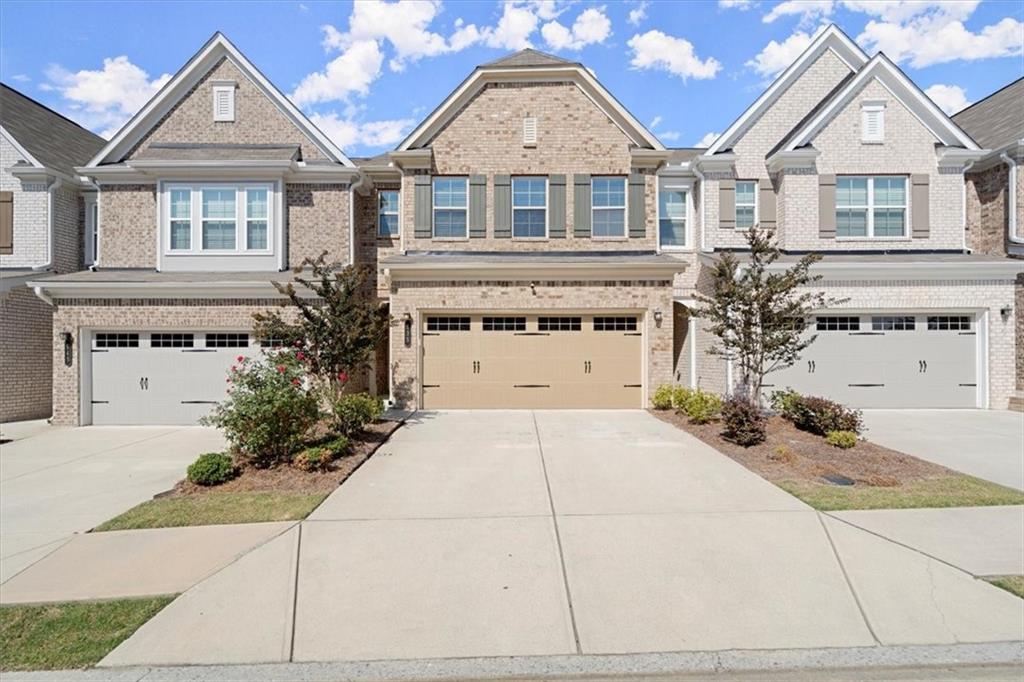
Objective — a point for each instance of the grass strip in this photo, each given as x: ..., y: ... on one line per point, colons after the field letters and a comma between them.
x: 947, y: 491
x: 216, y: 508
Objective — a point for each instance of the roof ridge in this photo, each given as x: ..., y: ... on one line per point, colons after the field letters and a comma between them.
x: 988, y: 96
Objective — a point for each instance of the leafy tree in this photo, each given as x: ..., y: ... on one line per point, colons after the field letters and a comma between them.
x: 339, y: 324
x: 759, y: 313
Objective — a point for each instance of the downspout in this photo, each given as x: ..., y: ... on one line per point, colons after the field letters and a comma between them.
x: 352, y: 218
x: 963, y: 208
x: 1011, y: 199
x: 703, y: 206
x: 51, y: 232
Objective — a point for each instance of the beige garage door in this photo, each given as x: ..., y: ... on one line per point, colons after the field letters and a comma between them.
x: 532, y: 361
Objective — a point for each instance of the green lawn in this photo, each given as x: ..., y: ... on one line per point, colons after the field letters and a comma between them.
x: 1010, y: 583
x: 216, y: 508
x: 951, y: 491
x: 70, y: 635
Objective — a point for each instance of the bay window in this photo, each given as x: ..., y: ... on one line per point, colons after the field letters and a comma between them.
x: 451, y: 207
x: 608, y: 206
x: 529, y: 207
x: 219, y: 218
x: 871, y: 206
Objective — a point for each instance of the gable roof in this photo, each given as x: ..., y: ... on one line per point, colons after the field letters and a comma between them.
x: 210, y: 54
x: 831, y: 38
x: 527, y: 57
x: 518, y: 68
x: 997, y: 120
x: 49, y: 139
x: 903, y: 89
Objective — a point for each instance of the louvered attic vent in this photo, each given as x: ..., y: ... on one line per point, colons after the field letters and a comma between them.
x: 529, y: 131
x: 224, y: 101
x: 872, y: 122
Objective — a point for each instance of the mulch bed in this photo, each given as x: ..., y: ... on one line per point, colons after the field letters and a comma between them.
x: 807, y: 457
x: 291, y: 479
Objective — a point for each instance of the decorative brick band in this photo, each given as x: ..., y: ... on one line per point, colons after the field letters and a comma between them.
x: 913, y: 282
x: 168, y: 302
x: 518, y: 283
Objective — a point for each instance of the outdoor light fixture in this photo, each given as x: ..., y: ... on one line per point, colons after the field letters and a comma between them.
x: 408, y: 329
x: 657, y: 317
x: 1004, y: 313
x: 533, y: 288
x: 69, y: 344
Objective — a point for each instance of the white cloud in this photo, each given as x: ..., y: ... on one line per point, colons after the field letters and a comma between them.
x: 807, y: 10
x: 347, y: 133
x: 741, y: 5
x: 775, y: 56
x: 638, y: 13
x: 950, y: 98
x: 591, y: 26
x: 654, y: 122
x: 670, y: 136
x: 656, y: 50
x: 404, y: 24
x: 351, y: 72
x: 104, y: 99
x: 21, y: 78
x: 707, y: 140
x: 514, y: 28
x: 936, y: 38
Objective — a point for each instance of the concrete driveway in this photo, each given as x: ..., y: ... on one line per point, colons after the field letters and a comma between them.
x: 988, y: 444
x: 549, y: 533
x: 57, y: 481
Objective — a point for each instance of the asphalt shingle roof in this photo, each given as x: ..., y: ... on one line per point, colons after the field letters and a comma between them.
x: 528, y: 57
x: 54, y: 141
x: 997, y: 120
x: 221, y: 152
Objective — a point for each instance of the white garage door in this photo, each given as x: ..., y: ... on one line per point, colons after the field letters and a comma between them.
x: 162, y: 377
x: 888, y: 360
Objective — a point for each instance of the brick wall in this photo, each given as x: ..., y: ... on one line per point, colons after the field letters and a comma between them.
x: 25, y: 356
x: 69, y: 213
x: 414, y: 297
x: 128, y: 226
x: 573, y: 136
x: 30, y: 216
x: 258, y: 120
x: 317, y: 217
x: 370, y: 246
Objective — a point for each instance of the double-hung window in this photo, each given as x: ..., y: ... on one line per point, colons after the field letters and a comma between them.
x: 529, y: 207
x: 387, y: 213
x: 671, y: 216
x: 608, y: 206
x: 219, y: 218
x: 256, y: 219
x: 451, y: 206
x: 181, y: 219
x: 746, y: 204
x: 871, y: 206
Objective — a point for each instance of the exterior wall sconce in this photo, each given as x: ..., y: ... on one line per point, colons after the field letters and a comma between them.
x: 407, y: 319
x: 533, y: 288
x: 658, y: 317
x: 69, y: 346
x: 1004, y: 313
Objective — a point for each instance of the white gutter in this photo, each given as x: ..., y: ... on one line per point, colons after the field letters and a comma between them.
x: 703, y: 205
x: 1011, y: 199
x: 51, y: 232
x: 352, y: 218
x: 963, y: 207
x: 42, y: 296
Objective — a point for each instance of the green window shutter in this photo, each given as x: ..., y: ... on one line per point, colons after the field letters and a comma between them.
x: 581, y: 205
x: 919, y: 207
x: 502, y: 207
x: 637, y: 213
x: 827, y: 206
x: 766, y: 204
x: 477, y: 206
x: 727, y: 204
x: 423, y: 207
x: 556, y: 206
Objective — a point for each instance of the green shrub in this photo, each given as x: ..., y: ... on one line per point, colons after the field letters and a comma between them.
x: 785, y: 402
x: 820, y: 415
x: 702, y: 407
x: 211, y: 468
x: 269, y: 410
x: 681, y: 397
x: 314, y: 459
x: 841, y: 439
x: 352, y: 412
x: 337, y: 446
x: 662, y: 398
x: 744, y: 422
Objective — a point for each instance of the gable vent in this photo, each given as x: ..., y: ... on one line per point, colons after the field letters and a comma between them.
x: 224, y: 102
x: 873, y: 122
x: 530, y: 131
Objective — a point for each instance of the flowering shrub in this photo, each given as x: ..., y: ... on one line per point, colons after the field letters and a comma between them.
x: 269, y: 410
x: 744, y: 422
x: 354, y: 411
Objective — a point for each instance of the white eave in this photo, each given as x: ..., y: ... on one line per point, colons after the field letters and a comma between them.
x: 798, y: 158
x: 532, y: 270
x: 1001, y: 269
x: 56, y: 289
x: 412, y: 158
x: 148, y: 171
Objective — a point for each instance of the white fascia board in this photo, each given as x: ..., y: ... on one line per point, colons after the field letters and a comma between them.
x: 589, y: 85
x: 66, y: 290
x: 1006, y: 269
x: 556, y: 270
x: 832, y: 38
x: 21, y: 150
x: 909, y: 95
x: 799, y: 158
x: 182, y: 83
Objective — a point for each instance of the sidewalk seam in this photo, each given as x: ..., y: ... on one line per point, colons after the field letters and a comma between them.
x: 849, y: 583
x: 295, y: 596
x: 558, y: 536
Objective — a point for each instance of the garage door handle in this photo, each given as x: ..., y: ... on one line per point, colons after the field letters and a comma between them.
x: 632, y: 385
x: 198, y: 402
x: 531, y: 386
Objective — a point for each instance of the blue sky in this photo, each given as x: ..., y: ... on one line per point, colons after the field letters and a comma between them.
x: 367, y: 73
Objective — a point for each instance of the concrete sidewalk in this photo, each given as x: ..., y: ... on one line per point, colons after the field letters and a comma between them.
x: 478, y: 534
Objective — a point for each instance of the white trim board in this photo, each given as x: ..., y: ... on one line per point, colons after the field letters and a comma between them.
x: 199, y: 65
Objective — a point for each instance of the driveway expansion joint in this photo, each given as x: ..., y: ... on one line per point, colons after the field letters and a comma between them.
x: 846, y: 577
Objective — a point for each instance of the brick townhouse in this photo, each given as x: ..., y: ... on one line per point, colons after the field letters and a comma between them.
x: 537, y: 246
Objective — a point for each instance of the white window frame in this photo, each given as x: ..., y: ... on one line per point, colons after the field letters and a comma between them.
x: 241, y: 218
x: 867, y: 109
x: 547, y: 202
x: 870, y: 208
x: 219, y: 88
x: 756, y: 204
x: 397, y: 213
x: 92, y: 230
x: 434, y: 207
x: 675, y: 186
x: 624, y: 207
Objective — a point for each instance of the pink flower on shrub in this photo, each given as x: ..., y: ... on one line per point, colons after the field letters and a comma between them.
x: 234, y: 368
x: 229, y: 380
x: 342, y: 377
x: 240, y: 358
x: 281, y: 369
x: 300, y: 356
x: 296, y: 382
x: 298, y: 343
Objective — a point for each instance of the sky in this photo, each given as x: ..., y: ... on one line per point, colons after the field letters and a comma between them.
x: 367, y: 72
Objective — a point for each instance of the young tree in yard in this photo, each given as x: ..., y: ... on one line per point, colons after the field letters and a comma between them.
x: 339, y: 322
x: 759, y: 314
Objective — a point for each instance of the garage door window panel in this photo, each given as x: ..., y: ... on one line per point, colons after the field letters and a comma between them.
x: 171, y: 340
x: 559, y: 324
x: 227, y: 340
x: 608, y: 207
x: 451, y: 207
x: 529, y: 208
x: 615, y: 324
x: 504, y: 324
x: 893, y: 323
x: 837, y: 324
x: 447, y: 324
x: 949, y: 323
x: 116, y: 340
x: 871, y: 207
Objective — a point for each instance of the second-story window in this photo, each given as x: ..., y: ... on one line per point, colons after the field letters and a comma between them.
x: 256, y: 219
x: 608, y: 205
x: 746, y: 204
x: 181, y: 219
x: 387, y: 213
x: 218, y: 218
x: 871, y: 207
x: 529, y: 207
x: 219, y: 225
x: 671, y: 216
x: 450, y: 207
